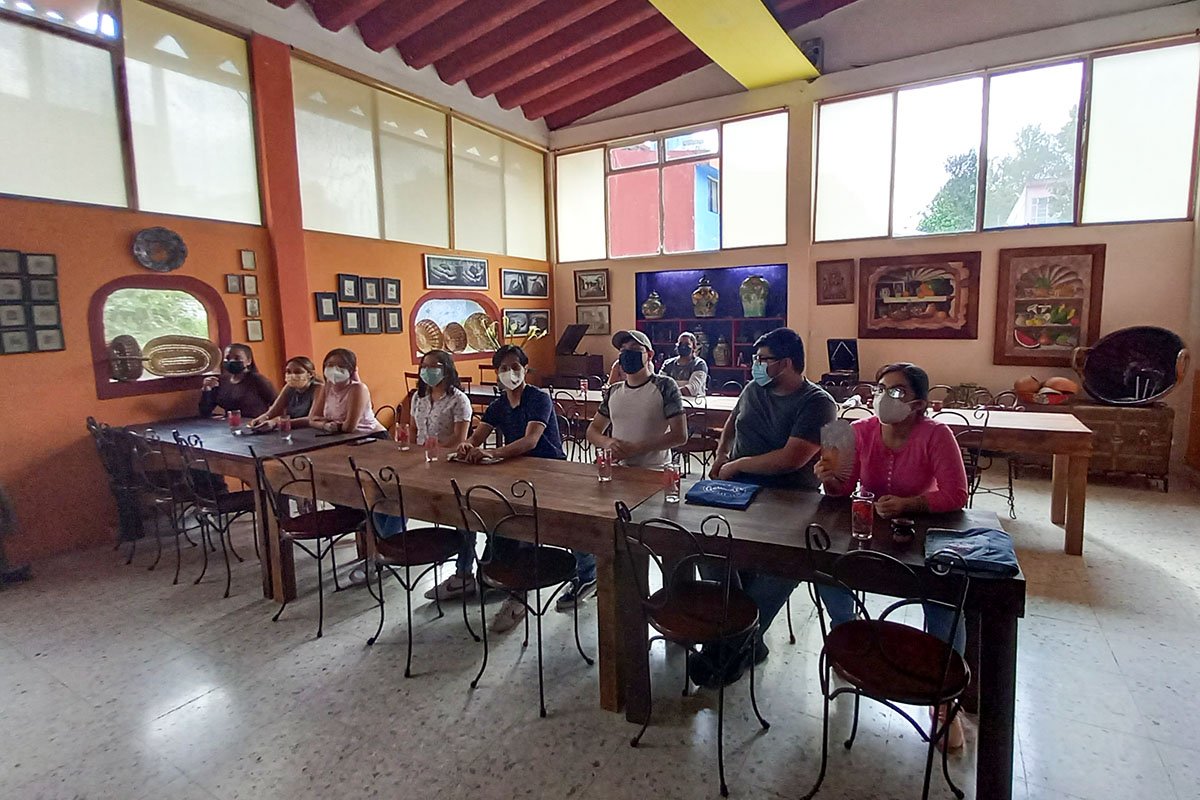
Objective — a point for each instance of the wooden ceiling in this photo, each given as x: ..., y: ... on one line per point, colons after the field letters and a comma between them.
x: 558, y: 60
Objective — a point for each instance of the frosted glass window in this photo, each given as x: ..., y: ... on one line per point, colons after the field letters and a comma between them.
x: 754, y: 172
x: 478, y: 189
x: 580, y: 208
x: 524, y: 201
x: 336, y: 150
x: 634, y: 213
x: 412, y: 161
x: 193, y: 130
x: 58, y: 119
x: 854, y: 168
x: 938, y: 129
x: 81, y: 16
x: 691, y: 206
x: 1141, y: 138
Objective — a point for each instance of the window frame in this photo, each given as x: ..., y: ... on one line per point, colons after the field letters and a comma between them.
x: 209, y: 297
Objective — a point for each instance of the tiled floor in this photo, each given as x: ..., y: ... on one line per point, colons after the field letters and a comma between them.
x: 116, y: 684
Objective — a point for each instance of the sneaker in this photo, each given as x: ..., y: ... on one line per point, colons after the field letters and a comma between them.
x: 509, y: 616
x: 453, y: 587
x: 358, y: 575
x: 575, y: 595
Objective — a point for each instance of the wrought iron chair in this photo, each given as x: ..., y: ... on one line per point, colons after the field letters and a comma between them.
x: 701, y: 442
x: 425, y: 547
x: 855, y: 412
x: 118, y: 466
x: 731, y: 388
x: 690, y: 611
x: 513, y: 568
x: 161, y: 485
x: 303, y: 522
x: 568, y: 408
x: 388, y: 416
x: 886, y: 661
x: 970, y: 440
x: 216, y: 509
x: 947, y: 398
x: 1004, y: 401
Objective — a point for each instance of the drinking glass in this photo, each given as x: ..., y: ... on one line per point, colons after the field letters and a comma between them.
x: 433, y: 448
x: 671, y: 479
x: 402, y: 437
x: 862, y: 514
x: 285, y: 428
x: 604, y: 459
x: 235, y: 422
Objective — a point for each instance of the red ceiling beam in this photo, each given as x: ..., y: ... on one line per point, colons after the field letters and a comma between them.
x: 562, y: 45
x: 612, y: 50
x: 460, y: 29
x: 647, y: 80
x: 337, y: 14
x: 395, y: 20
x: 638, y: 64
x: 283, y: 3
x: 513, y: 37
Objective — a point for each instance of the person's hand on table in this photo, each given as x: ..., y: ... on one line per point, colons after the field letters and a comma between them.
x: 889, y: 505
x: 474, y: 455
x: 622, y: 450
x: 211, y: 382
x: 331, y: 426
x: 719, y: 461
x: 463, y: 450
x: 729, y: 470
x: 263, y: 423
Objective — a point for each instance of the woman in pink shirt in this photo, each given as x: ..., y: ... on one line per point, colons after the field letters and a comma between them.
x: 912, y: 465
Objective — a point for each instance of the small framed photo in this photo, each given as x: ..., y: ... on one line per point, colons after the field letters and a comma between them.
x: 43, y: 290
x: 252, y: 307
x: 369, y: 290
x: 393, y: 320
x: 46, y: 316
x: 248, y: 261
x: 10, y: 262
x: 452, y: 272
x: 49, y: 339
x: 11, y: 290
x: 591, y: 285
x: 595, y: 317
x: 391, y: 291
x: 15, y: 341
x: 347, y: 289
x: 41, y: 264
x: 372, y: 319
x: 351, y: 321
x: 233, y: 284
x: 327, y: 306
x: 524, y: 283
x: 14, y: 316
x: 254, y: 330
x: 249, y: 285
x: 835, y: 282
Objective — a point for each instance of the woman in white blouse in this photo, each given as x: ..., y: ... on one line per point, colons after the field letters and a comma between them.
x: 439, y: 407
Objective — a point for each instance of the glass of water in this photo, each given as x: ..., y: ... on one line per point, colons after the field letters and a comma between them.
x: 862, y: 514
x: 671, y: 478
x: 604, y: 459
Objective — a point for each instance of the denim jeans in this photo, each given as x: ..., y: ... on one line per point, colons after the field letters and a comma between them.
x: 840, y: 605
x: 769, y: 593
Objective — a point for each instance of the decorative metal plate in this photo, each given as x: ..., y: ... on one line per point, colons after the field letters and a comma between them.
x: 159, y: 249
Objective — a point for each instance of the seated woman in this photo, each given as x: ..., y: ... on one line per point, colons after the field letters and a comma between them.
x: 438, y: 407
x: 241, y: 386
x: 913, y: 465
x: 343, y: 402
x: 296, y: 399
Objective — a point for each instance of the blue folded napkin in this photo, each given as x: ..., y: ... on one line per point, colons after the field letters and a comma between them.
x: 722, y: 494
x: 987, y: 551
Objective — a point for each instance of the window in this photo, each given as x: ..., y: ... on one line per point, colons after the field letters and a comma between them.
x: 854, y: 167
x: 81, y: 16
x: 412, y: 162
x: 754, y: 177
x: 146, y: 314
x: 58, y: 119
x: 1040, y: 211
x: 193, y: 130
x: 579, y: 181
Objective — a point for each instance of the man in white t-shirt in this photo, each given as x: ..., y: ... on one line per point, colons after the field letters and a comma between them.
x: 645, y: 410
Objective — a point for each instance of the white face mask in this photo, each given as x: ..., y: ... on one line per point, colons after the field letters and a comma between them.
x: 890, y: 410
x: 337, y: 374
x: 512, y: 378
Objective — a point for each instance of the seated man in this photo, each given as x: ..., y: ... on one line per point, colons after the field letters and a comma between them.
x: 687, y: 369
x: 772, y: 438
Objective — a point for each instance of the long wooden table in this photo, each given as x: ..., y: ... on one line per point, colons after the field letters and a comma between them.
x: 769, y: 537
x: 575, y: 511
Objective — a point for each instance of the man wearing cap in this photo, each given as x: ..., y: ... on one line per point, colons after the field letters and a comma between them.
x: 688, y: 370
x: 644, y: 410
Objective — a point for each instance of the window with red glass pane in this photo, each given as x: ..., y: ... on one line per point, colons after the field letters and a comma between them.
x: 633, y: 213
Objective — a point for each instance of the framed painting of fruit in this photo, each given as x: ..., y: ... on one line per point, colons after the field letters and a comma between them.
x: 930, y: 296
x: 1048, y: 303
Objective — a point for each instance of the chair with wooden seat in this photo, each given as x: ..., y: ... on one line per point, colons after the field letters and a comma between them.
x: 690, y: 611
x: 886, y: 661
x: 423, y: 547
x: 515, y: 568
x: 702, y: 438
x: 301, y: 519
x: 388, y: 416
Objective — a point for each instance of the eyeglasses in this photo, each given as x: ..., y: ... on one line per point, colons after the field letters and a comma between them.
x: 763, y: 360
x: 895, y: 392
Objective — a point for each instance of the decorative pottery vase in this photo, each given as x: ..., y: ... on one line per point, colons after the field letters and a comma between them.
x: 721, y: 352
x: 701, y: 342
x: 653, y: 307
x: 755, y: 291
x: 704, y: 299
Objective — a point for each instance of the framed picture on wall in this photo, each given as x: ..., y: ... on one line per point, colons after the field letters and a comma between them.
x: 46, y: 316
x: 369, y: 290
x: 595, y: 317
x: 49, y: 339
x: 393, y: 320
x: 327, y: 306
x: 928, y: 296
x: 10, y: 262
x: 516, y: 321
x: 11, y: 290
x: 252, y: 307
x: 14, y: 316
x: 524, y: 283
x: 41, y: 264
x: 372, y: 319
x: 43, y: 290
x: 591, y: 285
x: 1048, y: 303
x: 249, y: 285
x: 254, y: 330
x: 16, y: 341
x: 247, y: 258
x: 451, y: 272
x: 351, y: 321
x: 347, y: 289
x: 391, y: 291
x: 835, y: 282
x: 233, y: 284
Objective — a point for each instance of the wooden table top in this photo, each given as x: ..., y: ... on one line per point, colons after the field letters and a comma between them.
x: 219, y: 441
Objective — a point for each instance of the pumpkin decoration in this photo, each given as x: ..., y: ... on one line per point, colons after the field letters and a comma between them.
x: 1064, y: 385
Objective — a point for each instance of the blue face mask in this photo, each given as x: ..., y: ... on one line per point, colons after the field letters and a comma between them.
x: 432, y: 376
x: 758, y: 371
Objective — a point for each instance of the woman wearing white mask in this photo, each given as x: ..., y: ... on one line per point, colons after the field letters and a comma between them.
x: 343, y: 402
x: 438, y: 407
x: 296, y: 399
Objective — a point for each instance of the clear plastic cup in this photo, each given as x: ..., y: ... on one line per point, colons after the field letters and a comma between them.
x: 285, y: 428
x: 235, y: 421
x: 671, y: 480
x: 433, y: 449
x: 402, y: 437
x: 604, y: 464
x: 862, y: 514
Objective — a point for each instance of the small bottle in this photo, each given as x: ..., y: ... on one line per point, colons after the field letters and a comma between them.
x: 671, y: 473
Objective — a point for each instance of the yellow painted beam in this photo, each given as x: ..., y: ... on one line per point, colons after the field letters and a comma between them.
x: 742, y: 37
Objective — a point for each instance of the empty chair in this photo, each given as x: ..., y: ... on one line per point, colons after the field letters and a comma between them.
x: 702, y: 438
x: 730, y: 388
x: 387, y: 416
x: 118, y: 466
x: 160, y: 484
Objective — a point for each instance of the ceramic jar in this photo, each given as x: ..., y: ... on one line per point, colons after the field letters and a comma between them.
x: 721, y: 352
x: 704, y: 299
x: 701, y: 342
x: 653, y: 307
x: 754, y: 291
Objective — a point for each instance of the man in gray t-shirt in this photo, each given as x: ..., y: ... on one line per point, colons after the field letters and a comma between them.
x: 687, y: 369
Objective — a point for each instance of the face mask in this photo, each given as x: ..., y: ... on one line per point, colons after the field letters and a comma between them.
x: 632, y: 361
x: 432, y: 375
x: 511, y: 379
x: 235, y: 367
x: 758, y: 371
x: 684, y: 350
x: 297, y: 381
x: 337, y: 374
x: 890, y: 410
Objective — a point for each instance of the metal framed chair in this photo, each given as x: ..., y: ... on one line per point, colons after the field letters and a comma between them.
x: 568, y: 408
x: 303, y: 522
x: 970, y: 440
x: 411, y: 379
x: 947, y: 397
x: 885, y: 661
x: 855, y: 412
x: 424, y: 547
x: 701, y: 442
x: 690, y: 611
x: 514, y: 568
x: 161, y: 485
x: 118, y: 467
x: 731, y: 388
x: 387, y: 416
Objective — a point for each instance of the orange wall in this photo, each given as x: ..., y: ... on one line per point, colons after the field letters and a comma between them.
x: 47, y: 461
x: 383, y: 359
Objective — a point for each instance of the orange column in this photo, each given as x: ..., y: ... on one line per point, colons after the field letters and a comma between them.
x: 279, y: 177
